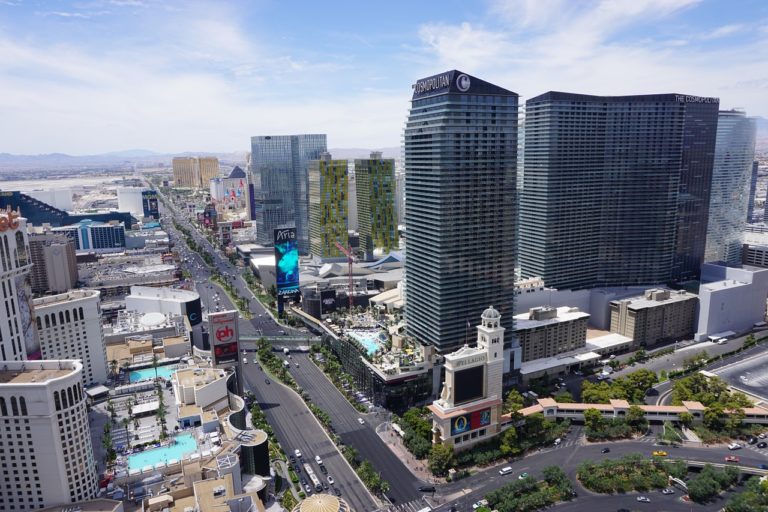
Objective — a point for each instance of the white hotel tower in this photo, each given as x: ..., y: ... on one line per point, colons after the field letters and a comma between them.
x: 18, y: 337
x: 46, y: 458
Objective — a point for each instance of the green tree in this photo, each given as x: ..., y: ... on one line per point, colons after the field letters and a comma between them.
x: 636, y: 417
x: 714, y: 417
x: 440, y: 459
x: 508, y: 443
x: 564, y: 397
x: 593, y: 419
x: 703, y: 489
x: 686, y: 419
x: 513, y: 403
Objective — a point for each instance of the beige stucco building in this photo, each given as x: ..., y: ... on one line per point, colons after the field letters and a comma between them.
x: 194, y: 172
x: 546, y: 331
x: 657, y: 316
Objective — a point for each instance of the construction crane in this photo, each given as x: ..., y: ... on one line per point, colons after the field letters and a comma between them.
x: 350, y: 260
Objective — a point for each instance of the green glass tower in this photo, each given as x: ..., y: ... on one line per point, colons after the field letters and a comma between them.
x: 328, y: 207
x: 377, y: 219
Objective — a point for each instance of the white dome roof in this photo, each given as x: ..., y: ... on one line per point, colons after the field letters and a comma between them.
x: 152, y: 319
x: 490, y: 313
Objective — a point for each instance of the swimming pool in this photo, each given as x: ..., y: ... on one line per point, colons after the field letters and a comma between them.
x: 149, y: 373
x: 185, y: 444
x: 372, y: 340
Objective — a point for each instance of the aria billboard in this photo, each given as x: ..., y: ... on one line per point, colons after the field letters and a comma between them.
x: 286, y: 261
x: 224, y: 336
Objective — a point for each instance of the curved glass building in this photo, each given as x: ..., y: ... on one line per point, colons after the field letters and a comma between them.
x: 731, y: 176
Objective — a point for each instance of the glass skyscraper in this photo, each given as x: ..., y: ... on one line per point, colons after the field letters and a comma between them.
x: 731, y: 186
x: 279, y: 167
x: 328, y: 207
x: 615, y: 189
x: 376, y: 190
x: 460, y: 210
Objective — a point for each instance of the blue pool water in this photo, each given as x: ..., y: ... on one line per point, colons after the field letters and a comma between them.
x: 184, y: 445
x: 149, y: 373
x: 371, y: 340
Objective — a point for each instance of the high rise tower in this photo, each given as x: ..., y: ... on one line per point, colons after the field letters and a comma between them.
x: 377, y: 217
x: 328, y: 207
x: 279, y: 169
x: 615, y: 188
x: 731, y: 180
x: 460, y: 210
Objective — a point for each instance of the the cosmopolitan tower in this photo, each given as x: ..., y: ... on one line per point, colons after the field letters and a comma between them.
x: 615, y: 189
x: 279, y: 170
x: 460, y: 211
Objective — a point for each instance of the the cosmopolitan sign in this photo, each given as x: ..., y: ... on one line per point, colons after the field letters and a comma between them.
x: 682, y: 98
x: 432, y: 83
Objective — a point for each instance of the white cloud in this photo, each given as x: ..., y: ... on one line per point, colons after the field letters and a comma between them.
x: 724, y: 31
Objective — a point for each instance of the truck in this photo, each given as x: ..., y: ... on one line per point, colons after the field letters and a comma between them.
x: 312, y: 476
x: 286, y: 351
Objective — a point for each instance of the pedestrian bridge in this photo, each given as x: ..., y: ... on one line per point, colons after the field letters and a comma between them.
x: 742, y: 469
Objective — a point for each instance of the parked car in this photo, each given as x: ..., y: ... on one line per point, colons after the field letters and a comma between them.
x: 330, y: 480
x: 762, y: 444
x: 337, y: 491
x: 481, y: 503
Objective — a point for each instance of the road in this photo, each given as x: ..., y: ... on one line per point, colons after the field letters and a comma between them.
x: 403, y: 485
x: 295, y: 427
x: 463, y: 493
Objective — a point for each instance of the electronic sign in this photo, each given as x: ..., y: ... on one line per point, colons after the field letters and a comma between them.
x: 224, y: 336
x: 327, y: 301
x: 286, y: 261
x: 470, y: 421
x: 469, y: 384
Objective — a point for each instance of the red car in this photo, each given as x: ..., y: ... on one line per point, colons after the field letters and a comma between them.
x: 731, y: 458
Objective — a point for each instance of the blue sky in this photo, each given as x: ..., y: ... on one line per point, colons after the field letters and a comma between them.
x: 92, y: 76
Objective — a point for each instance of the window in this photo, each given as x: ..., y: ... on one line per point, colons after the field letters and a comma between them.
x: 3, y: 408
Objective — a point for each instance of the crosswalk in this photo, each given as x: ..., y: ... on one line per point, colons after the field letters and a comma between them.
x: 411, y: 506
x: 754, y: 448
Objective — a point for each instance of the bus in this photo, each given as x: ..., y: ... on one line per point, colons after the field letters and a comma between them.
x: 312, y: 476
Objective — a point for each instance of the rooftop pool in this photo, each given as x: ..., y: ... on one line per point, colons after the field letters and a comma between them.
x: 184, y: 445
x: 371, y: 339
x: 149, y: 373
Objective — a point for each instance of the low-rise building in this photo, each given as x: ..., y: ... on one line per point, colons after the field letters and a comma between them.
x: 546, y: 331
x: 657, y: 316
x: 732, y: 299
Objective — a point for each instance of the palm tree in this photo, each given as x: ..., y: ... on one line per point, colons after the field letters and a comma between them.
x: 113, y: 367
x: 154, y: 364
x: 126, y: 422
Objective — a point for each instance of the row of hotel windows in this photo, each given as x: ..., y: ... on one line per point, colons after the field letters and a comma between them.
x: 19, y: 253
x: 64, y: 317
x: 71, y: 397
x: 17, y: 407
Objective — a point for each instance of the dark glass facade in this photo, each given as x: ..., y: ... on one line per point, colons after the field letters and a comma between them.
x: 615, y: 190
x: 279, y: 166
x: 460, y: 206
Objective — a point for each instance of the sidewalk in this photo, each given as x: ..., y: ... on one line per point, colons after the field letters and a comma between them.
x: 417, y: 467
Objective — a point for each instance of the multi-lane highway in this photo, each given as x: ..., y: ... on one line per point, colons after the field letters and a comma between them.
x: 403, y: 485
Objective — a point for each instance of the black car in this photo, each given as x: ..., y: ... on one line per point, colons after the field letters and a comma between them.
x: 427, y: 488
x: 303, y: 481
x: 297, y: 468
x: 751, y: 440
x: 762, y: 444
x: 337, y: 491
x: 293, y: 459
x: 325, y: 486
x: 325, y: 471
x: 605, y: 450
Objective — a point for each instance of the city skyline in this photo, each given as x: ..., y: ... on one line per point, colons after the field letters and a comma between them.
x: 80, y: 77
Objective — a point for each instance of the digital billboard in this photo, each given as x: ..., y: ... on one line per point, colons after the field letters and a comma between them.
x: 469, y: 384
x: 470, y: 421
x: 327, y: 301
x: 224, y: 336
x: 286, y: 261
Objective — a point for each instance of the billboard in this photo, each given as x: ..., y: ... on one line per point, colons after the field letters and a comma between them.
x: 469, y: 384
x: 194, y: 311
x: 470, y: 421
x: 224, y: 336
x: 327, y: 301
x: 286, y: 261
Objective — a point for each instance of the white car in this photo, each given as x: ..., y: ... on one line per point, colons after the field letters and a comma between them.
x: 734, y: 446
x: 330, y: 479
x: 318, y: 459
x: 361, y: 421
x: 481, y: 503
x: 297, y: 453
x: 643, y: 499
